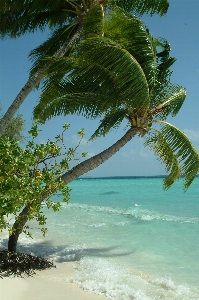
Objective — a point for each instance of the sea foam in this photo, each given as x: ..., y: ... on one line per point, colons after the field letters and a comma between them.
x: 117, y: 282
x: 137, y: 213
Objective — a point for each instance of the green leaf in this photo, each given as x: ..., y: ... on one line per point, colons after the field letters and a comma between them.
x: 81, y: 132
x: 184, y: 151
x: 93, y: 22
x: 141, y: 7
x: 106, y: 76
x: 174, y: 100
x: 43, y: 54
x: 158, y: 144
x: 128, y: 75
x: 111, y: 120
x: 131, y: 33
x: 24, y: 16
x: 66, y: 126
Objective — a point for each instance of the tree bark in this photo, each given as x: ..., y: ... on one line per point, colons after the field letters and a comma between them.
x: 69, y: 176
x: 17, y: 229
x: 33, y: 81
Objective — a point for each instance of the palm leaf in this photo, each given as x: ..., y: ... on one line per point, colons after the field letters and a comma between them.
x: 142, y: 6
x: 92, y: 25
x: 92, y: 80
x: 107, y: 71
x: 111, y: 120
x: 184, y: 150
x: 23, y: 16
x: 93, y: 87
x: 174, y: 100
x: 40, y: 55
x: 170, y: 102
x: 161, y: 148
x: 126, y: 71
x: 87, y: 104
x: 93, y: 22
x: 163, y: 69
x: 132, y: 34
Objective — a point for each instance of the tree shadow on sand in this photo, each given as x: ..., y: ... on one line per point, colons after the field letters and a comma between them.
x: 40, y: 255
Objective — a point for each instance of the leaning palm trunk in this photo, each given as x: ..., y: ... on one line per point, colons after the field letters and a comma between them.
x: 33, y: 81
x: 69, y: 176
x: 98, y: 159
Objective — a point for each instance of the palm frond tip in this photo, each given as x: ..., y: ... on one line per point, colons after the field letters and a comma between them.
x: 185, y: 152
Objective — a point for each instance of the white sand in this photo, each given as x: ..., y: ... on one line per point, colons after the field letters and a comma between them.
x: 45, y: 285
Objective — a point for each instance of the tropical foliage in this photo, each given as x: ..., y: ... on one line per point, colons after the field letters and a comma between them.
x: 29, y: 176
x: 31, y: 15
x: 64, y: 18
x: 120, y: 71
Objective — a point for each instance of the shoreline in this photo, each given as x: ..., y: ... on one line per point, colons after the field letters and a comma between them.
x: 46, y: 285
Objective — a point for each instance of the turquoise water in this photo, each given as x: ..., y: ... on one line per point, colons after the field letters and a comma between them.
x: 129, y: 238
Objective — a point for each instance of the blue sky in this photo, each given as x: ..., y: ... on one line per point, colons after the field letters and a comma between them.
x: 180, y: 27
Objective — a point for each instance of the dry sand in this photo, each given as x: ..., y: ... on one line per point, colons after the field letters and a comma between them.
x: 46, y: 285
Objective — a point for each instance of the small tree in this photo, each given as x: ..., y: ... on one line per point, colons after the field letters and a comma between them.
x: 29, y: 176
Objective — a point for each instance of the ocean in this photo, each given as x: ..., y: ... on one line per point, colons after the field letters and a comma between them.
x: 129, y: 238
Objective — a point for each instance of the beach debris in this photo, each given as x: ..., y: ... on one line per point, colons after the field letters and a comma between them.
x: 20, y: 264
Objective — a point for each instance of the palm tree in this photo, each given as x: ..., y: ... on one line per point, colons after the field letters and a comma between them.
x: 64, y: 18
x: 119, y: 74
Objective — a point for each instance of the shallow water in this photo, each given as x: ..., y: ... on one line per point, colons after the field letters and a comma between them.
x: 131, y: 239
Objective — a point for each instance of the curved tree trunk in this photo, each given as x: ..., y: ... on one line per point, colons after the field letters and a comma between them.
x: 17, y: 229
x: 33, y: 81
x: 69, y: 176
x: 98, y: 159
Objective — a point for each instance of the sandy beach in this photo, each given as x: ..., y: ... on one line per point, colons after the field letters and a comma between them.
x: 46, y: 285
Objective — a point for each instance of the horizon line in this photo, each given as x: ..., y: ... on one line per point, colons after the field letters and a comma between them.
x: 126, y: 176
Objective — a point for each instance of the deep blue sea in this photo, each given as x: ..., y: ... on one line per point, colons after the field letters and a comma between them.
x: 129, y: 238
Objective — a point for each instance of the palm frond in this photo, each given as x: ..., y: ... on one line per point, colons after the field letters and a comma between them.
x: 164, y: 61
x: 90, y: 80
x: 107, y: 71
x: 164, y: 69
x: 93, y: 22
x: 170, y: 102
x: 89, y: 44
x: 39, y: 56
x: 142, y: 6
x: 132, y: 34
x: 158, y: 144
x: 92, y: 25
x: 129, y: 77
x: 87, y: 104
x: 174, y: 100
x: 111, y: 120
x: 160, y: 90
x: 23, y: 16
x: 93, y: 87
x: 185, y: 152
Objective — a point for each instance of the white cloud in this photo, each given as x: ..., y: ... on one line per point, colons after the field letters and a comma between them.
x: 193, y: 135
